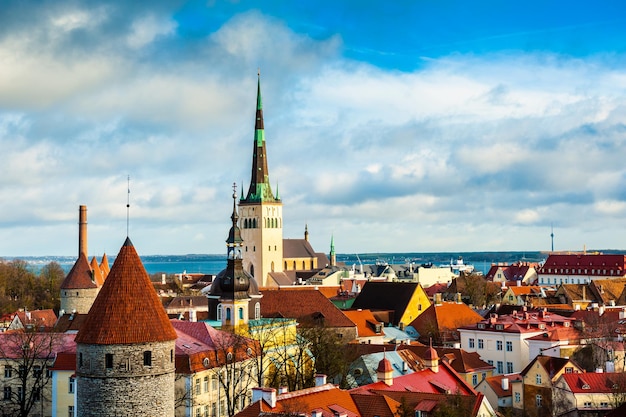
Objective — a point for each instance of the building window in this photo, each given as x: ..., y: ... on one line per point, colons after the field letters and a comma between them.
x: 509, y: 367
x: 509, y: 346
x: 538, y: 399
x: 7, y: 393
x: 70, y: 411
x: 240, y: 313
x: 206, y: 384
x: 219, y: 312
x: 499, y: 345
x: 214, y: 383
x: 257, y: 311
x: 490, y: 362
x: 569, y: 370
x: 37, y: 372
x: 604, y: 405
x: 474, y: 379
x: 20, y: 392
x: 197, y: 386
x: 500, y: 367
x: 213, y: 409
x: 481, y: 344
x: 518, y: 397
x: 36, y: 394
x: 71, y: 385
x: 80, y: 359
x: 147, y: 358
x: 471, y: 343
x: 538, y: 379
x: 227, y: 314
x: 8, y: 371
x: 198, y: 411
x: 587, y: 404
x: 206, y: 411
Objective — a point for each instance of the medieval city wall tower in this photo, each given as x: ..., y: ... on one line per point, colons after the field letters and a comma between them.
x: 125, y: 348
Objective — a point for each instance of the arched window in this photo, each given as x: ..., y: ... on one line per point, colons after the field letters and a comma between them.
x: 251, y: 269
x: 254, y: 223
x: 303, y: 265
x: 286, y: 268
x: 294, y: 265
x: 240, y: 313
x: 272, y: 266
x: 257, y: 311
x: 227, y: 314
x: 219, y: 312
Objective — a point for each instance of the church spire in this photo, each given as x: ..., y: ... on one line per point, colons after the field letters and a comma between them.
x: 260, y: 190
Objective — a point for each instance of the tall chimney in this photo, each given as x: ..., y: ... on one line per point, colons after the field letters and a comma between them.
x: 82, y: 230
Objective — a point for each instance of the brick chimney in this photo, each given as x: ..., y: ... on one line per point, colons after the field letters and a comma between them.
x: 82, y: 230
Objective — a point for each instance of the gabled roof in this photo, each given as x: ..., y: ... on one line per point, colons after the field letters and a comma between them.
x: 200, y: 346
x: 446, y: 380
x: 445, y: 316
x: 307, y: 306
x: 70, y: 322
x: 326, y: 398
x: 495, y: 383
x: 365, y: 322
x: 461, y: 361
x: 80, y: 276
x: 38, y: 318
x: 559, y: 263
x: 376, y: 405
x: 551, y: 365
x: 297, y: 248
x: 607, y: 290
x: 393, y: 296
x: 514, y: 272
x: 593, y: 382
x: 43, y: 345
x: 525, y: 290
x: 127, y: 309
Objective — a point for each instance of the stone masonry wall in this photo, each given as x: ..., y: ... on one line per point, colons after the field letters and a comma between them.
x: 128, y: 388
x: 78, y: 299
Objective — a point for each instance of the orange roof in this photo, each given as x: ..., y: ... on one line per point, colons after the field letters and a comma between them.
x: 329, y: 291
x: 104, y: 265
x: 98, y: 277
x: 39, y: 318
x: 525, y: 289
x: 365, y: 322
x: 80, y: 276
x: 447, y: 315
x: 127, y: 309
x: 327, y: 397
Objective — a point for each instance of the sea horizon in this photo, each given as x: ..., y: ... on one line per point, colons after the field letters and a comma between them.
x: 214, y: 263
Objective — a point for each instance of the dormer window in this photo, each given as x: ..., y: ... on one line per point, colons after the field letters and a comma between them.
x: 499, y: 327
x: 481, y: 325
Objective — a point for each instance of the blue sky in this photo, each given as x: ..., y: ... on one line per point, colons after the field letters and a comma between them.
x: 394, y: 126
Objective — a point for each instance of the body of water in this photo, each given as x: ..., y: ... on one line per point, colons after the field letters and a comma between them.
x: 212, y: 264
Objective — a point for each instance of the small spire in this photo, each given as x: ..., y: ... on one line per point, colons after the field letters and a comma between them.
x: 128, y: 207
x: 277, y: 197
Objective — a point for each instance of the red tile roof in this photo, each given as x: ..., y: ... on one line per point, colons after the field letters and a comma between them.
x: 568, y: 264
x: 127, y: 309
x: 308, y: 306
x: 327, y: 398
x: 446, y: 379
x: 98, y: 276
x: 43, y: 345
x: 38, y: 318
x: 80, y: 276
x: 591, y: 382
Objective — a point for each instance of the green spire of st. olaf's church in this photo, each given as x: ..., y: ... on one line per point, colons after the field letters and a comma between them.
x: 260, y: 190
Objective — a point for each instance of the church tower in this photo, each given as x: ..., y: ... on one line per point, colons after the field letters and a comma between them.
x: 235, y: 282
x: 125, y: 348
x: 261, y: 212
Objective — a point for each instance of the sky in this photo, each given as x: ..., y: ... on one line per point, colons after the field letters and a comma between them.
x: 405, y: 126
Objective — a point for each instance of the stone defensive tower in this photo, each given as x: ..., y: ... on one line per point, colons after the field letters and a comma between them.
x: 78, y: 289
x: 125, y: 348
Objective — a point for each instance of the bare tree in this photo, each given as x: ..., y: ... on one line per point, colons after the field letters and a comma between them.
x: 27, y: 355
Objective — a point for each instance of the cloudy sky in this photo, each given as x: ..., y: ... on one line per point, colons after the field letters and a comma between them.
x: 395, y: 126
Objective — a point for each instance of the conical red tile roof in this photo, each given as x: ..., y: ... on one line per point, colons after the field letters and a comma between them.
x: 80, y: 276
x: 97, y: 272
x: 127, y: 309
